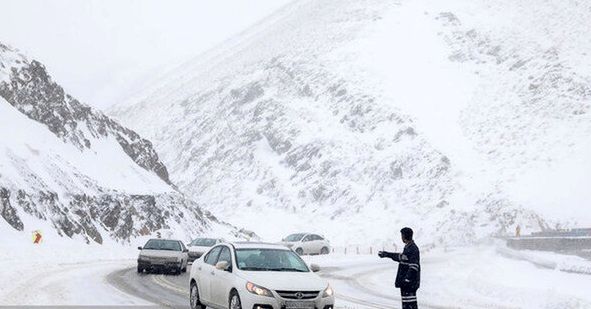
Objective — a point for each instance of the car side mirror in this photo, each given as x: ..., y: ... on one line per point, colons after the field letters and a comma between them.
x: 186, y: 250
x: 315, y: 268
x: 223, y: 265
x: 139, y: 248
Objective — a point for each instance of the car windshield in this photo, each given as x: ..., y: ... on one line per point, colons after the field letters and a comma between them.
x: 294, y: 237
x: 270, y: 260
x: 161, y: 244
x: 203, y: 242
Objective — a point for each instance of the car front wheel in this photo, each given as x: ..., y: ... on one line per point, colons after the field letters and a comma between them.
x: 235, y: 301
x: 195, y: 302
x: 300, y: 251
x: 324, y: 250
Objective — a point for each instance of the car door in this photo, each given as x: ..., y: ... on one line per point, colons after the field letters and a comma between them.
x: 206, y: 274
x: 320, y: 243
x: 185, y: 255
x: 307, y: 244
x: 222, y: 280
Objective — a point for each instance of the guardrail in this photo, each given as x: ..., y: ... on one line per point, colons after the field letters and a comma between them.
x: 549, y: 243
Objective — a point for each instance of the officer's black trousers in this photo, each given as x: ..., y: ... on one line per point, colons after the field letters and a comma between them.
x: 409, y: 299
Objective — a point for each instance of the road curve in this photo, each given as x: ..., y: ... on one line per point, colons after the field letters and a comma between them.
x: 172, y: 291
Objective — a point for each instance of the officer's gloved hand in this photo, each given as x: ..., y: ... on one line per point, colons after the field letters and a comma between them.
x: 382, y: 254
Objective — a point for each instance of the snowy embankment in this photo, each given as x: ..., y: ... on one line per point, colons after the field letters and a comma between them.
x: 60, y: 271
x: 472, y: 277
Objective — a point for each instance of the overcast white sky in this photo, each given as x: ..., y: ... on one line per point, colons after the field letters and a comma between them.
x: 101, y: 50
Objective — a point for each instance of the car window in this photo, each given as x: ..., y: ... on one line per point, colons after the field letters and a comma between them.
x: 204, y: 242
x: 269, y: 260
x: 317, y: 237
x: 212, y: 256
x: 225, y: 256
x: 294, y: 237
x: 163, y: 244
x: 307, y: 238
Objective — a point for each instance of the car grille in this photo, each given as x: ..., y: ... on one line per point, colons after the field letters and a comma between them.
x: 298, y: 294
x: 155, y: 259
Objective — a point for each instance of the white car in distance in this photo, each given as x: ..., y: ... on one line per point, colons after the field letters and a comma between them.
x: 163, y: 255
x: 198, y: 246
x: 307, y: 243
x: 257, y: 276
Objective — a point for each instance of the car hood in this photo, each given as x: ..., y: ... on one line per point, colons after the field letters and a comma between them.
x: 160, y: 253
x: 285, y: 281
x: 198, y: 249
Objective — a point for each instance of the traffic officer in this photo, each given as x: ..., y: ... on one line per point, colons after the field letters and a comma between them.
x: 408, y: 278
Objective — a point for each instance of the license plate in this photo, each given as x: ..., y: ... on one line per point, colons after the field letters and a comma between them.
x: 299, y: 304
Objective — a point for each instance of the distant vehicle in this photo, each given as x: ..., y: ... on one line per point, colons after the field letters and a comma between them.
x: 305, y: 243
x: 256, y: 275
x: 201, y: 245
x: 165, y: 255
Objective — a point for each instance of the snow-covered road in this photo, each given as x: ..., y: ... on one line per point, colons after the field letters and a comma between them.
x: 486, y: 276
x: 173, y: 290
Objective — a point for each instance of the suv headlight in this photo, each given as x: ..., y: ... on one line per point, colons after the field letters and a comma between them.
x: 328, y: 292
x: 258, y: 290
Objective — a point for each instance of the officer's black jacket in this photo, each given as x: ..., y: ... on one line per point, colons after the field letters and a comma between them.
x: 409, y: 267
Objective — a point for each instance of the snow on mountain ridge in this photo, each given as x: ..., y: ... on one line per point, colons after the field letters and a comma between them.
x: 28, y: 87
x: 68, y: 166
x: 292, y: 125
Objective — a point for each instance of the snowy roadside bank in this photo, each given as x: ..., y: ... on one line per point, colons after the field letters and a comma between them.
x: 471, y: 277
x: 62, y: 272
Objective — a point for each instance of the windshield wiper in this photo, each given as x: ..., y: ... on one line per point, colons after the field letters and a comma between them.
x: 288, y: 269
x: 255, y: 268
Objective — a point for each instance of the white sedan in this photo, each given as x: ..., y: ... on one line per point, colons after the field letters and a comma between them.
x: 256, y: 275
x: 307, y: 243
x: 198, y: 246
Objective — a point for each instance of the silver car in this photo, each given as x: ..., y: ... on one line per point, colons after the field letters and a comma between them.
x: 164, y: 255
x: 199, y: 246
x: 307, y: 243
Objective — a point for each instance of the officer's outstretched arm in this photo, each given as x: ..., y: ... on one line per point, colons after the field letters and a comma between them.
x: 392, y: 255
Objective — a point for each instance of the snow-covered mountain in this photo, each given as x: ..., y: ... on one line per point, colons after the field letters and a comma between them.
x: 354, y: 118
x: 66, y: 166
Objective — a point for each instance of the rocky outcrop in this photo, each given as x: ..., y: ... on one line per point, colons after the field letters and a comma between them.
x: 55, y: 170
x: 32, y: 91
x: 116, y: 216
x: 8, y: 212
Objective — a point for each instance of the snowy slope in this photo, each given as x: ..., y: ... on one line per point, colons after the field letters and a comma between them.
x: 356, y: 117
x: 69, y: 168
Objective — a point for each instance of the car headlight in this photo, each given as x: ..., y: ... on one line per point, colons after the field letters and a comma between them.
x: 328, y: 292
x: 258, y: 290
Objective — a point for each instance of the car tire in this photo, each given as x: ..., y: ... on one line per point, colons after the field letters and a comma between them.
x: 194, y: 301
x: 234, y: 301
x: 140, y: 269
x: 299, y: 251
x: 324, y: 251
